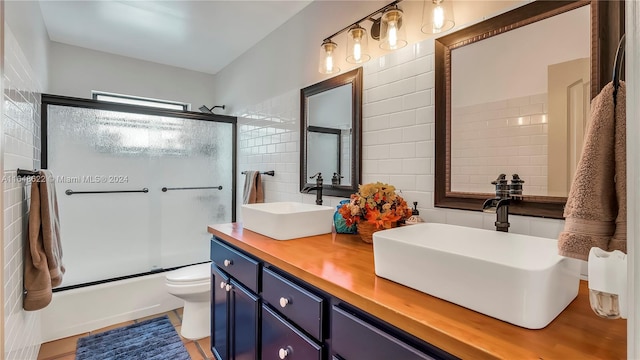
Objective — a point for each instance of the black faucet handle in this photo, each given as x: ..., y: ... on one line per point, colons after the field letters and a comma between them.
x: 515, y: 178
x: 502, y: 186
x: 502, y: 179
x: 515, y: 189
x: 318, y: 177
x: 335, y: 180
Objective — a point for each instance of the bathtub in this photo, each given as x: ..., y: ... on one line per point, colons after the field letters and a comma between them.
x: 77, y: 311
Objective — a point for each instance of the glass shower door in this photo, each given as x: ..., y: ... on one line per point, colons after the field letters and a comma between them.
x: 196, y: 192
x: 108, y: 235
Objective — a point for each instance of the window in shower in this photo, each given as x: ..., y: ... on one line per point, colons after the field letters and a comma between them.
x: 136, y: 189
x: 136, y: 100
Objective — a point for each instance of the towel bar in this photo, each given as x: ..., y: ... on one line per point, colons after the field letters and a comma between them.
x: 25, y: 173
x: 270, y: 172
x: 165, y: 189
x: 71, y: 192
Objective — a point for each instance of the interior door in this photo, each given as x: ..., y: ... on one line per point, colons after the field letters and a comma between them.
x: 569, y: 101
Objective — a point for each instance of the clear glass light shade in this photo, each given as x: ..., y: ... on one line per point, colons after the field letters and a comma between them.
x: 357, y: 45
x: 392, y: 33
x: 438, y: 16
x: 327, y: 63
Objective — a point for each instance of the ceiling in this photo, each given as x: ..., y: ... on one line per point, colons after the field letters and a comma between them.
x: 200, y: 35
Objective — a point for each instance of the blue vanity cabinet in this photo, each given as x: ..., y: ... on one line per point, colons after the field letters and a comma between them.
x: 245, y: 323
x: 356, y: 338
x: 282, y: 340
x: 261, y: 312
x: 237, y: 264
x: 302, y: 307
x: 235, y: 306
x: 293, y: 318
x: 220, y: 307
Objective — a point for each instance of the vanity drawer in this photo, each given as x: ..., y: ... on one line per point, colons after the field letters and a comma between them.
x: 281, y: 340
x: 355, y: 339
x: 295, y: 303
x: 240, y: 266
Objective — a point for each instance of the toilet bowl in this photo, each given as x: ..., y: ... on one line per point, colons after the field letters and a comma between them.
x: 193, y: 285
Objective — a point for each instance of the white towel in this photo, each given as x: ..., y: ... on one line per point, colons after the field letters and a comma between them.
x: 253, y: 192
x: 43, y: 267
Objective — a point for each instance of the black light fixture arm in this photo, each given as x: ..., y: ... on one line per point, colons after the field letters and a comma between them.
x: 368, y: 17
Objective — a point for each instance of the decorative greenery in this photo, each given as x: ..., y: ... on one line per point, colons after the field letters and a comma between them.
x: 376, y: 203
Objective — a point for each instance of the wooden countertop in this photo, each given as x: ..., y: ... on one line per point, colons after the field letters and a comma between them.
x: 344, y: 268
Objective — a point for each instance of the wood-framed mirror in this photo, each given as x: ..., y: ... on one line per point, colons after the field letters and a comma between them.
x: 496, y: 111
x: 331, y: 133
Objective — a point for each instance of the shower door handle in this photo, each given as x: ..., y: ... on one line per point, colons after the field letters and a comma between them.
x: 165, y: 189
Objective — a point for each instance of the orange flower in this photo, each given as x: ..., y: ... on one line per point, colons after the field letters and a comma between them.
x: 376, y: 203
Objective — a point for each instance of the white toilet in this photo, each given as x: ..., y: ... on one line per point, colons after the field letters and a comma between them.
x: 193, y: 285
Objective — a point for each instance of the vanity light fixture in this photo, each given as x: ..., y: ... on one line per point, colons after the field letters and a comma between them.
x: 387, y: 29
x: 437, y: 16
x: 357, y: 45
x: 327, y: 54
x: 392, y: 33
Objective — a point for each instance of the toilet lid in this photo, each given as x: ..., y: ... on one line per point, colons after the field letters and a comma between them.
x: 190, y: 273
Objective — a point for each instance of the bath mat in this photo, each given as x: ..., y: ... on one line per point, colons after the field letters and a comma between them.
x: 154, y: 339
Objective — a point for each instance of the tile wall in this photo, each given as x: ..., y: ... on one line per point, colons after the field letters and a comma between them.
x: 21, y: 124
x: 507, y: 136
x: 398, y: 140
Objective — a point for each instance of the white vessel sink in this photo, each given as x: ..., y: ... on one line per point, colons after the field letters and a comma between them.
x: 287, y: 220
x: 515, y: 278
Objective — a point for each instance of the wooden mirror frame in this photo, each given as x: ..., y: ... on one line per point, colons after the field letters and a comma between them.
x: 353, y: 77
x: 607, y: 26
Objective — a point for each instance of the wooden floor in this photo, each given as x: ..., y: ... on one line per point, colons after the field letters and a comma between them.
x: 65, y: 349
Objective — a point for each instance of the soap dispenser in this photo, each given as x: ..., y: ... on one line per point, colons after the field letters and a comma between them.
x: 414, y: 218
x: 608, y: 283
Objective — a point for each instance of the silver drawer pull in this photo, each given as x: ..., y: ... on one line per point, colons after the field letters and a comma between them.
x: 227, y: 262
x: 284, y: 301
x: 222, y: 284
x: 283, y: 353
x: 228, y: 287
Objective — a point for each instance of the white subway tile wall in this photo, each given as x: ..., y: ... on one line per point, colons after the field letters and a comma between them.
x: 501, y: 137
x: 398, y: 139
x: 21, y: 138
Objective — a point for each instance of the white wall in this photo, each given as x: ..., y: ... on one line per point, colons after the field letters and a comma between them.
x: 25, y: 20
x: 21, y: 142
x: 287, y: 58
x: 76, y: 71
x: 398, y: 117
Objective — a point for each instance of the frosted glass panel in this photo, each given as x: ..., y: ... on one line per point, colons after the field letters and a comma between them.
x: 111, y: 235
x: 185, y: 213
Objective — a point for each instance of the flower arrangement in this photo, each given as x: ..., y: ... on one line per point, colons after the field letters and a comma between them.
x: 377, y: 204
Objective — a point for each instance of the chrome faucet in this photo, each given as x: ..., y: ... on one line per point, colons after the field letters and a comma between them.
x: 500, y: 204
x: 317, y: 188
